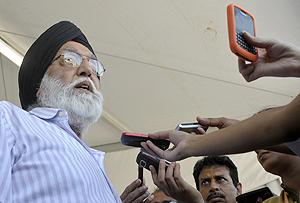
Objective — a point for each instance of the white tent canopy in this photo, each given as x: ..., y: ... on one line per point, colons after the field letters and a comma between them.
x: 167, y: 61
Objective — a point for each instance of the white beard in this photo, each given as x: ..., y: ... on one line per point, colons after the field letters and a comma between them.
x: 83, y: 108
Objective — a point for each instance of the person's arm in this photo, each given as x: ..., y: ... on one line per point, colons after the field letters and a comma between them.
x: 173, y: 185
x: 265, y: 129
x: 223, y: 122
x: 262, y: 130
x: 136, y: 193
x: 274, y: 59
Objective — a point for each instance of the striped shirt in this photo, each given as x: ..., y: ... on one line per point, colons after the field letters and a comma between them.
x: 43, y: 160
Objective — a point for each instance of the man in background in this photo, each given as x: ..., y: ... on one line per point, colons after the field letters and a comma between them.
x: 216, y: 178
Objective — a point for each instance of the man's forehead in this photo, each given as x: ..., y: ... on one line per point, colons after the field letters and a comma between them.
x: 212, y: 171
x: 76, y: 47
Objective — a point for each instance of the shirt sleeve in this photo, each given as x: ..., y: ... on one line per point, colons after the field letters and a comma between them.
x: 6, y: 160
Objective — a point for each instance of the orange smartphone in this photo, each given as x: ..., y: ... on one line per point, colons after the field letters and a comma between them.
x: 240, y: 20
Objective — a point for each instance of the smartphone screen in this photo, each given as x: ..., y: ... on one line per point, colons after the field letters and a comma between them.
x: 244, y: 22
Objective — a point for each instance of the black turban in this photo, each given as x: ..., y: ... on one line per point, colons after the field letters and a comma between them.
x: 40, y: 55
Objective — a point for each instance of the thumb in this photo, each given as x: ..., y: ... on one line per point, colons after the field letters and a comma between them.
x: 203, y: 121
x: 256, y: 41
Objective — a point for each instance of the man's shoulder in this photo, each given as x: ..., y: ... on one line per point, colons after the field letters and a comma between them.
x: 12, y: 112
x: 8, y: 106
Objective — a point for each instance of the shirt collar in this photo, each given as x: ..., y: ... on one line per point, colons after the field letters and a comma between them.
x: 46, y: 113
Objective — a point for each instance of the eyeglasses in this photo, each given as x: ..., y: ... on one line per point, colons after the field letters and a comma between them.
x: 74, y: 60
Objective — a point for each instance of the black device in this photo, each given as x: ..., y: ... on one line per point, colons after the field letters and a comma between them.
x: 141, y: 174
x: 135, y: 139
x: 249, y: 197
x: 145, y: 159
x: 190, y: 127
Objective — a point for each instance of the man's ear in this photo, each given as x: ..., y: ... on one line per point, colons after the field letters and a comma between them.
x: 239, y: 188
x: 38, y: 92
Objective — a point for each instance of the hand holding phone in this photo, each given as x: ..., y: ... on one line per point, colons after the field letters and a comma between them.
x: 190, y: 127
x: 146, y: 160
x: 239, y: 20
x: 135, y: 139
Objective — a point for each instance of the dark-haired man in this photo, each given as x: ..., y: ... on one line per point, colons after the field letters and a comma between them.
x: 216, y: 180
x: 43, y: 158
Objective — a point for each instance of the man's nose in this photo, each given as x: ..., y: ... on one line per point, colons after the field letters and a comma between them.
x: 214, y: 185
x: 85, y: 69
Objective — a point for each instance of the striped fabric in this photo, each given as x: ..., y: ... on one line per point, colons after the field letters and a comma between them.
x: 42, y: 160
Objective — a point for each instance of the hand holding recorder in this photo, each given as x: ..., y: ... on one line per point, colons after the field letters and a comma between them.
x: 178, y: 138
x: 169, y: 180
x: 136, y: 192
x: 164, y: 174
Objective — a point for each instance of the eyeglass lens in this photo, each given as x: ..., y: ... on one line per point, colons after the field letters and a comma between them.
x: 76, y: 60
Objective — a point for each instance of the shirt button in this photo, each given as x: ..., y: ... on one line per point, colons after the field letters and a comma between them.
x: 62, y: 114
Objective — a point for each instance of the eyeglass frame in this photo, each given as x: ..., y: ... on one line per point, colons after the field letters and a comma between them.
x: 99, y: 75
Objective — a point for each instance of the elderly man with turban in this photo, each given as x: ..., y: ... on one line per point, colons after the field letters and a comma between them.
x: 43, y: 158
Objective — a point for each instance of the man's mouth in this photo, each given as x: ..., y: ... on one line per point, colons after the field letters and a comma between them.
x: 85, y: 85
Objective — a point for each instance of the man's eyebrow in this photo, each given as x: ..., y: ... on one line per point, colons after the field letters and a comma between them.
x: 91, y: 55
x: 205, y: 178
x: 220, y: 176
